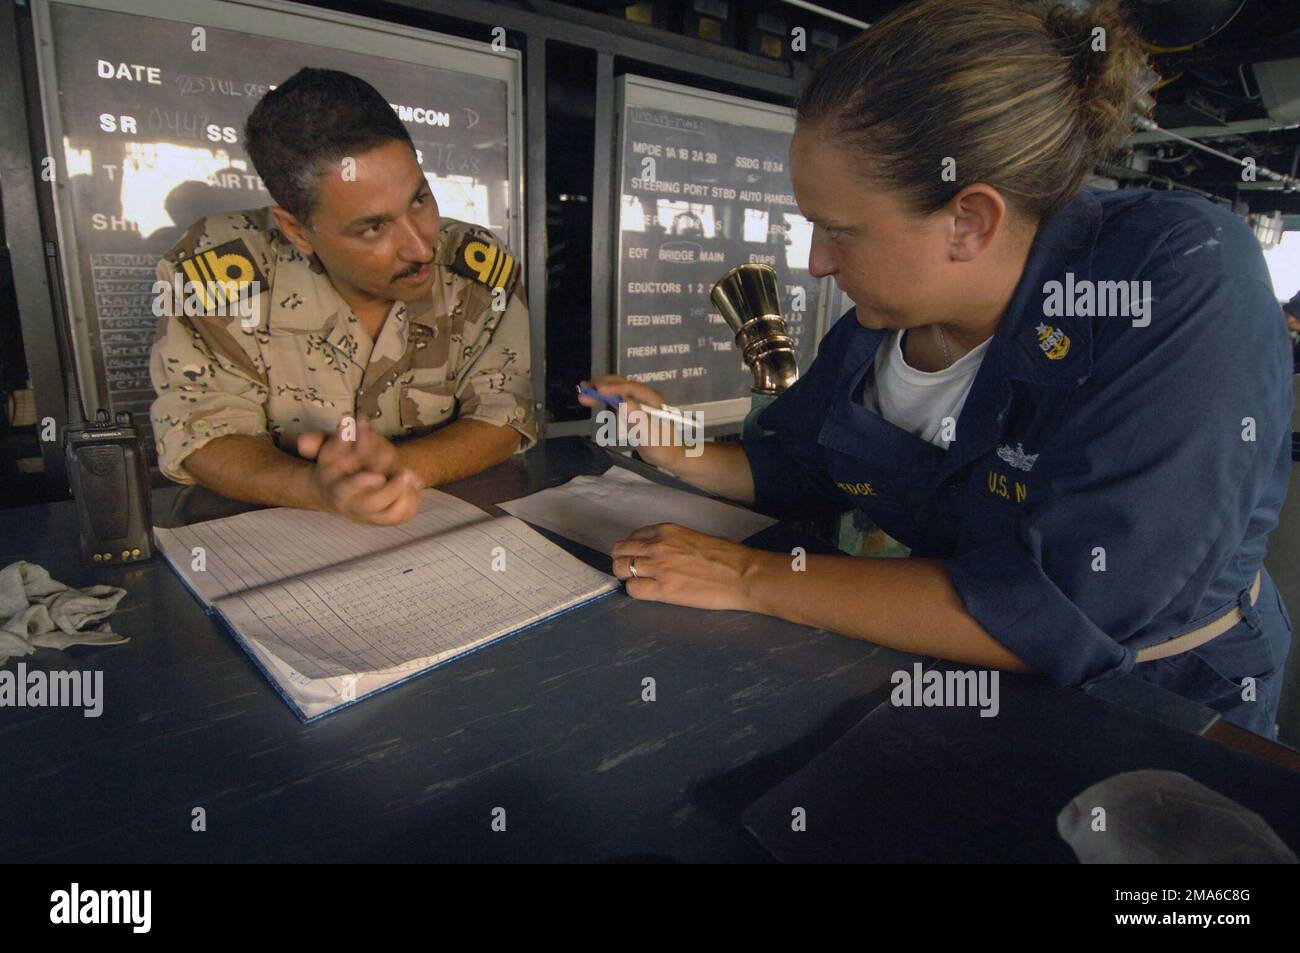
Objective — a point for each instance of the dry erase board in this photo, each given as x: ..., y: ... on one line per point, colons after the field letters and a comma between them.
x: 144, y: 104
x: 704, y: 185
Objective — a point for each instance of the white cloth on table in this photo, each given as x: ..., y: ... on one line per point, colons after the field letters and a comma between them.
x: 37, y: 611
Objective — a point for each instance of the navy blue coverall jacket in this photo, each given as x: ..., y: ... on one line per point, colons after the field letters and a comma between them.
x: 1113, y: 478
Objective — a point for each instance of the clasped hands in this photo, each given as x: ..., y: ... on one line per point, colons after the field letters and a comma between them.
x: 358, y: 474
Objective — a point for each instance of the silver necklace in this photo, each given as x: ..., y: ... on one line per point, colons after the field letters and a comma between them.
x: 944, y: 341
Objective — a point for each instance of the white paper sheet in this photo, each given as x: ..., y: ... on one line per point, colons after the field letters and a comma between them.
x: 599, y: 511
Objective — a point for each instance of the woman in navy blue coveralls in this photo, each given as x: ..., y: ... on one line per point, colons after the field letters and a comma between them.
x: 1122, y: 453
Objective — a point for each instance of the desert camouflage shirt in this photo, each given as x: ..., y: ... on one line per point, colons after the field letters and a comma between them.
x: 289, y: 356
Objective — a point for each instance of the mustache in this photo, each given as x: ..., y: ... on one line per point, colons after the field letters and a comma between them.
x: 407, y: 272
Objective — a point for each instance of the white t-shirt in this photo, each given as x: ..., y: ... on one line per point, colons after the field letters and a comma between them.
x: 918, y: 401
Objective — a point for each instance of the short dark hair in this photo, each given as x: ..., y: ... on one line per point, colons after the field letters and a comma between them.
x: 1292, y: 307
x: 310, y: 122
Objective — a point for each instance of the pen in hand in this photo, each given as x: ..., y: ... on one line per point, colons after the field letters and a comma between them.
x: 613, y: 400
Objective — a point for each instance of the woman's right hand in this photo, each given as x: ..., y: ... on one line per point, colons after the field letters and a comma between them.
x: 636, y: 395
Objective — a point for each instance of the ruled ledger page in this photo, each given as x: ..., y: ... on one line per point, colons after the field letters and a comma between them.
x: 335, y: 609
x: 239, y: 552
x: 414, y: 605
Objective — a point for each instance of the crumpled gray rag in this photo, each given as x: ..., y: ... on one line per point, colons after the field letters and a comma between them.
x: 36, y: 610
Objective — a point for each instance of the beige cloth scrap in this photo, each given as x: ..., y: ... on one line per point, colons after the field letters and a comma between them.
x: 37, y: 611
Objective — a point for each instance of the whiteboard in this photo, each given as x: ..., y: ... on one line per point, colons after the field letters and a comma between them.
x: 145, y: 132
x: 720, y: 195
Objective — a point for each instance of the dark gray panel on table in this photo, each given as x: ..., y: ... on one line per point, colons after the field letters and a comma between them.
x: 945, y: 785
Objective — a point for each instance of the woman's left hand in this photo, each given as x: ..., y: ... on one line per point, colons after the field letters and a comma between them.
x: 680, y: 566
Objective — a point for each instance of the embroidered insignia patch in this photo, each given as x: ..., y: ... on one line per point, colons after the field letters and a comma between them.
x: 1053, y: 342
x: 485, y: 262
x: 220, y: 275
x: 1017, y: 457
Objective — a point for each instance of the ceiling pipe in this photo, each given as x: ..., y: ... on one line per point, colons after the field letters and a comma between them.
x: 829, y: 14
x: 1240, y: 127
x: 1290, y: 183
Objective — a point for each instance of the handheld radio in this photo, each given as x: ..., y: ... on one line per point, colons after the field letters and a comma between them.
x: 108, y: 473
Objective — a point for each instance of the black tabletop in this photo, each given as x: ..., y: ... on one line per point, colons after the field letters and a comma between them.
x: 549, y: 724
x: 547, y: 730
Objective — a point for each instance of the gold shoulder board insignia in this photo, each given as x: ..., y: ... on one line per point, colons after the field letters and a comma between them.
x: 221, y: 275
x: 486, y: 262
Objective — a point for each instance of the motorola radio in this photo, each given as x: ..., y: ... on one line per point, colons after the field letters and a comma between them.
x: 108, y: 474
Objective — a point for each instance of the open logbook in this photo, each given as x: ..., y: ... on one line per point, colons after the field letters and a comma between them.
x: 333, y: 611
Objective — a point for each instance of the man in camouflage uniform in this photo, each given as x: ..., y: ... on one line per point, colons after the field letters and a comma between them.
x: 347, y: 347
